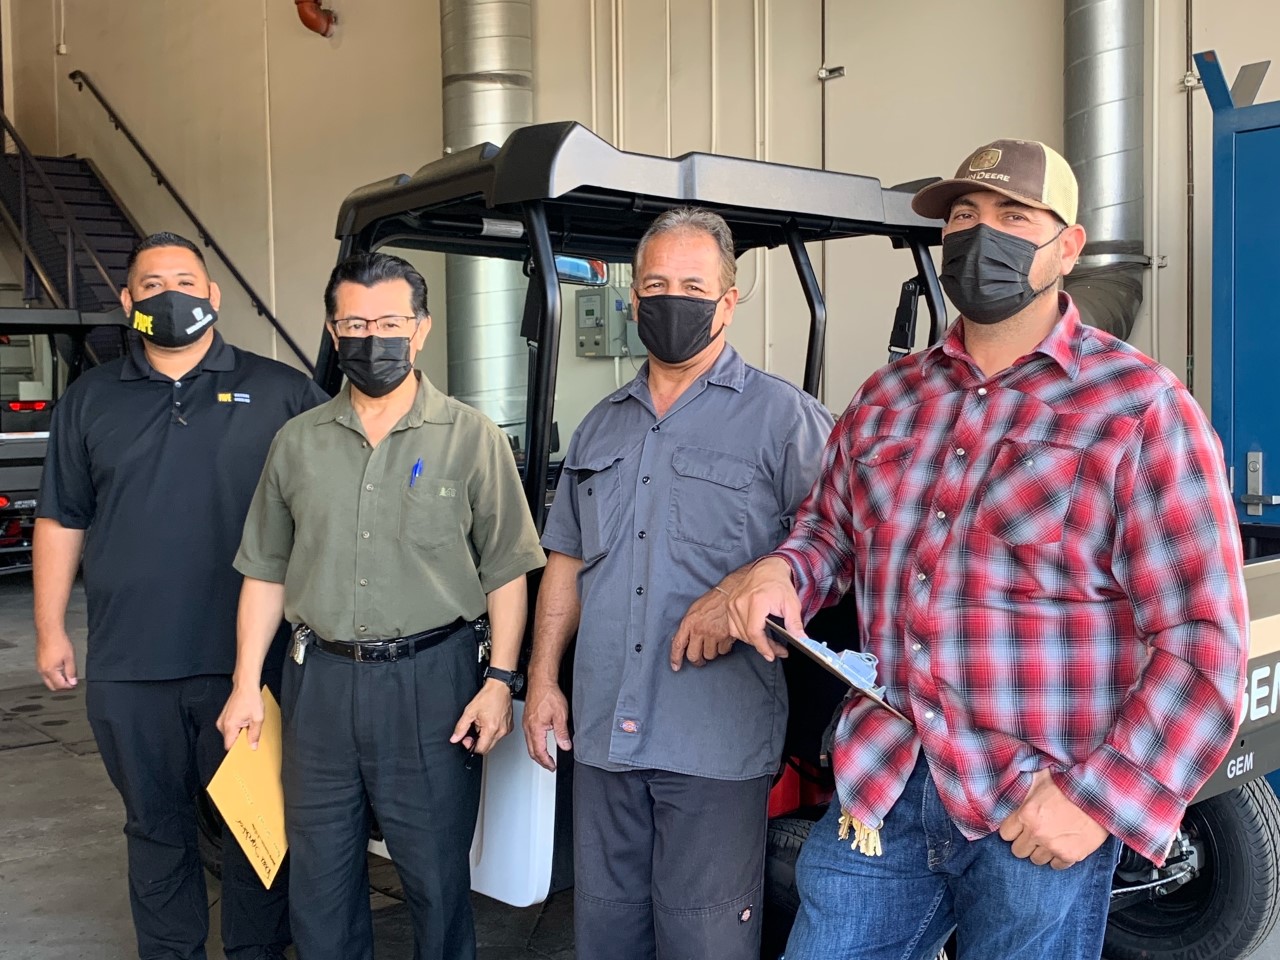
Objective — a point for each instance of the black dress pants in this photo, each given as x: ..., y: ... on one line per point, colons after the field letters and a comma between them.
x: 160, y: 745
x: 361, y: 735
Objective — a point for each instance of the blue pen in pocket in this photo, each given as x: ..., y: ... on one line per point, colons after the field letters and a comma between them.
x: 416, y: 472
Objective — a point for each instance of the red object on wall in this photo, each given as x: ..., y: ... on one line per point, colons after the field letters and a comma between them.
x: 315, y: 17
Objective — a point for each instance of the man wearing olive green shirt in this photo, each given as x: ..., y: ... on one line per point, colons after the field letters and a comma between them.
x: 386, y: 523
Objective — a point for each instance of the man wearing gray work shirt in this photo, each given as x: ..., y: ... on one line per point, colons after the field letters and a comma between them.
x: 669, y: 485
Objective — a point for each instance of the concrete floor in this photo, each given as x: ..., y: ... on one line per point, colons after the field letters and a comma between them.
x: 63, y: 892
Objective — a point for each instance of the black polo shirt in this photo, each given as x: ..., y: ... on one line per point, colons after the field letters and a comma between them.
x: 160, y: 473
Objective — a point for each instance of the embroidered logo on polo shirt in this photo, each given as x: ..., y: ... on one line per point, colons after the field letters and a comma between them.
x: 234, y: 398
x: 448, y: 491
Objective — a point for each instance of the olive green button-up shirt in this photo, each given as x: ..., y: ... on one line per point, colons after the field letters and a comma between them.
x: 371, y: 546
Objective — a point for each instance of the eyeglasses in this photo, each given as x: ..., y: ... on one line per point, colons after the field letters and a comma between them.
x: 391, y: 326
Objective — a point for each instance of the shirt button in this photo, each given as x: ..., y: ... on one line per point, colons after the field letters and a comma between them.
x: 588, y: 491
x: 177, y: 403
x: 364, y: 582
x: 177, y: 383
x: 654, y: 428
x: 644, y: 479
x: 364, y: 629
x: 364, y: 534
x: 641, y: 534
x: 928, y: 714
x: 639, y: 591
x: 915, y: 646
x: 368, y: 486
x: 982, y: 391
x: 921, y: 576
x: 364, y: 444
x: 639, y: 647
x: 942, y: 514
x: 959, y: 451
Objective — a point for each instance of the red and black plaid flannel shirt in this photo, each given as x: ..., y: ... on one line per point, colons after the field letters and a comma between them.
x: 1047, y: 563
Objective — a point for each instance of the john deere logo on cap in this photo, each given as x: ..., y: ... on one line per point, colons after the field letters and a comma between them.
x: 985, y: 160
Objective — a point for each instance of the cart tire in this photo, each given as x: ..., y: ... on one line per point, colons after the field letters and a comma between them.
x: 1227, y: 911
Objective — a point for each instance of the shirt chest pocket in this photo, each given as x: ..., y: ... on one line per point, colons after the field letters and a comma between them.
x: 431, y: 513
x: 1027, y: 492
x: 597, y: 490
x: 879, y: 465
x: 709, y: 496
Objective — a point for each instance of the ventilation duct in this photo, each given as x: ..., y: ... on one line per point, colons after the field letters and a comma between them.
x: 1103, y: 117
x: 487, y: 61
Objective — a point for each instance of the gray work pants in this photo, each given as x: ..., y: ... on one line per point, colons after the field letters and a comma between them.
x: 667, y: 866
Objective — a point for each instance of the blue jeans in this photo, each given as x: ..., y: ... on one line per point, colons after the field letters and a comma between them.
x: 931, y: 880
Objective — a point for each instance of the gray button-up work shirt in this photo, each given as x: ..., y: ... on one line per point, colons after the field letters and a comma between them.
x: 659, y: 510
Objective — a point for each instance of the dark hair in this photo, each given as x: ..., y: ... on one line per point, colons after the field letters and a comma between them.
x: 370, y: 269
x: 161, y: 239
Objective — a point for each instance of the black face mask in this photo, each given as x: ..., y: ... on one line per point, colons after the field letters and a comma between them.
x: 675, y: 328
x: 172, y: 318
x: 374, y: 365
x: 987, y: 273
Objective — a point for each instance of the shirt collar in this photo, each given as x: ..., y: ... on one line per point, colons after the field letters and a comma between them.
x: 729, y: 370
x: 429, y: 406
x: 1063, y: 344
x: 220, y: 357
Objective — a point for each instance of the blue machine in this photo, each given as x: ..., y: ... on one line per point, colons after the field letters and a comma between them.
x: 1246, y: 311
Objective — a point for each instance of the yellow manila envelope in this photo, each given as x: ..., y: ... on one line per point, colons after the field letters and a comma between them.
x: 249, y: 795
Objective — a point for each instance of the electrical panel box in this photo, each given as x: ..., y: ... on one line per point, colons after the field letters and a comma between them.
x: 602, y: 324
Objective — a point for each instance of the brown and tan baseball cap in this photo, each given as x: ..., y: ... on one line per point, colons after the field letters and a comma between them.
x: 1025, y: 170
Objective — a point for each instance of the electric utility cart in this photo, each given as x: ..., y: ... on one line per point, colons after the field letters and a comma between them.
x: 531, y: 243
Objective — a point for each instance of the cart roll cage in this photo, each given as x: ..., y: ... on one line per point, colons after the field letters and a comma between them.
x: 558, y: 189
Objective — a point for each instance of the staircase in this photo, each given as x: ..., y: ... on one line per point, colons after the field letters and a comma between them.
x: 107, y: 230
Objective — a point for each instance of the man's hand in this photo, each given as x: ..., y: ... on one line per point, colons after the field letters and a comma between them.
x: 490, y: 712
x: 56, y: 660
x: 545, y: 709
x: 1051, y: 829
x: 703, y: 634
x: 765, y: 590
x: 243, y: 711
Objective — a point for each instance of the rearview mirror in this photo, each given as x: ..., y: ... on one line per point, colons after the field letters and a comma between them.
x: 581, y: 271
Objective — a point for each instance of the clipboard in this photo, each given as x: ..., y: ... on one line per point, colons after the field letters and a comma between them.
x: 857, y: 670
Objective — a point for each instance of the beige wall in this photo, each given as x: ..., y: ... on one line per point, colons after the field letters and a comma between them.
x: 261, y: 125
x: 265, y: 127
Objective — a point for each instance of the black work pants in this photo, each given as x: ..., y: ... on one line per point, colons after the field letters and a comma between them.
x: 667, y: 865
x: 160, y: 745
x: 360, y: 735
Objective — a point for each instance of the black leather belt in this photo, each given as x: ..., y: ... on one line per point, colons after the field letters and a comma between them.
x: 388, y: 651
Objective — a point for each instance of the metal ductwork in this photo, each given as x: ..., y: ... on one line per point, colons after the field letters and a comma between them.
x: 1103, y: 128
x: 487, y: 60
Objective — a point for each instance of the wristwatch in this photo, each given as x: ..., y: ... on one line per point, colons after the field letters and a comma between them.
x: 511, y: 678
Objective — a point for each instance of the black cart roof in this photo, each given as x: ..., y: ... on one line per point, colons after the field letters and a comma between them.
x: 600, y: 200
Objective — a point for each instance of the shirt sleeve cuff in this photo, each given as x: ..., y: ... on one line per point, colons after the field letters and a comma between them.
x: 569, y: 548
x: 803, y: 584
x: 270, y: 572
x: 1124, y: 799
x: 522, y: 563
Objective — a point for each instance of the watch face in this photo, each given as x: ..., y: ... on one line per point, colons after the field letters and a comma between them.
x: 517, y: 682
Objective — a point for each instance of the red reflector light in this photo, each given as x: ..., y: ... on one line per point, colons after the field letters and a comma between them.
x: 4, y: 501
x: 23, y: 406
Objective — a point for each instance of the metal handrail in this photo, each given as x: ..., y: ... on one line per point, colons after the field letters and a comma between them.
x: 73, y: 228
x: 81, y: 80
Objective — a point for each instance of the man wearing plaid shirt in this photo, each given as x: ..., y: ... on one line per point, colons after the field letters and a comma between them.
x: 1036, y: 523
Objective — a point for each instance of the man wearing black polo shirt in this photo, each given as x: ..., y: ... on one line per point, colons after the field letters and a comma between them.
x: 152, y: 462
